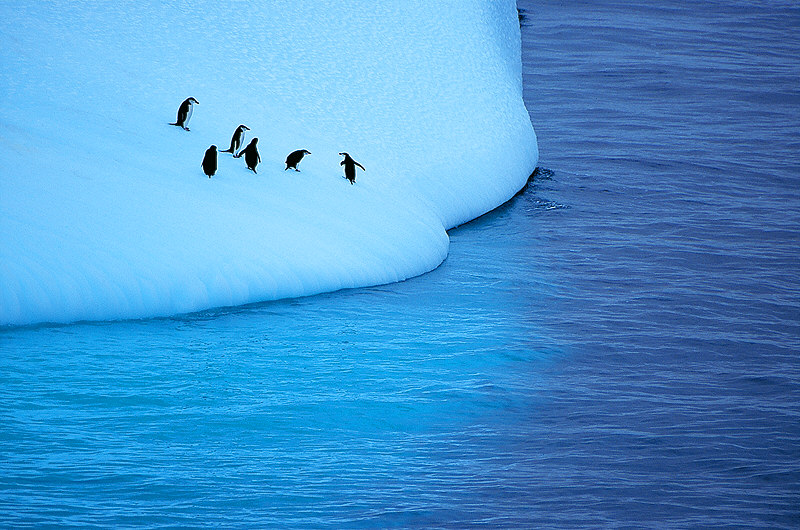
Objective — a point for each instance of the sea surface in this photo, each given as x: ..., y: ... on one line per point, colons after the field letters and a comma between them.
x: 617, y: 346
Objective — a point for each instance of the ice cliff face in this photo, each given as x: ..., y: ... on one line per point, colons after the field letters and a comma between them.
x: 105, y: 212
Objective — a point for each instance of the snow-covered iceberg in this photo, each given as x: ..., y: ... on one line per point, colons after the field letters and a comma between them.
x: 105, y: 212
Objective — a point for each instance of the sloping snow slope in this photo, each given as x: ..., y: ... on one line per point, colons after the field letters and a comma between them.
x: 105, y: 212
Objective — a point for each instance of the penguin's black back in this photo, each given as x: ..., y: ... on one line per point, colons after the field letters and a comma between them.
x: 236, y: 140
x: 184, y: 113
x: 294, y: 158
x: 210, y: 161
x: 251, y: 154
x: 349, y: 167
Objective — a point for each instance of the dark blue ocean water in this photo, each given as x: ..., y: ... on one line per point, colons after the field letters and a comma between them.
x: 617, y: 346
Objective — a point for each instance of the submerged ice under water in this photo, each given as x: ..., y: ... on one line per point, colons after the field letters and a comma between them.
x: 618, y: 345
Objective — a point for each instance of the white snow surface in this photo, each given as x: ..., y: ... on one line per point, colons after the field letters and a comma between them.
x: 105, y: 212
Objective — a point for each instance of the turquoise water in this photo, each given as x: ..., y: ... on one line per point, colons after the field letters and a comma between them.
x: 371, y: 406
x: 617, y: 346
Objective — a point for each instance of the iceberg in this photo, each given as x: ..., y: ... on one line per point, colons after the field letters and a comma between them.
x: 105, y: 212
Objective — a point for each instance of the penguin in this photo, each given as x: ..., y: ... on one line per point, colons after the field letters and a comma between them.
x: 251, y: 156
x: 350, y: 167
x: 295, y: 157
x: 236, y: 140
x: 185, y: 113
x: 210, y: 161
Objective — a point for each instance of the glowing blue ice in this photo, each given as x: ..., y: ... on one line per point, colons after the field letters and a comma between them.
x: 105, y: 212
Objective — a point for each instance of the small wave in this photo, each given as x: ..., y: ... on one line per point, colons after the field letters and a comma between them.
x: 538, y: 203
x: 528, y: 191
x: 522, y: 15
x: 541, y: 173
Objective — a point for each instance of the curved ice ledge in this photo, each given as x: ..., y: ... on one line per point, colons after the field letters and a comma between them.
x: 105, y: 212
